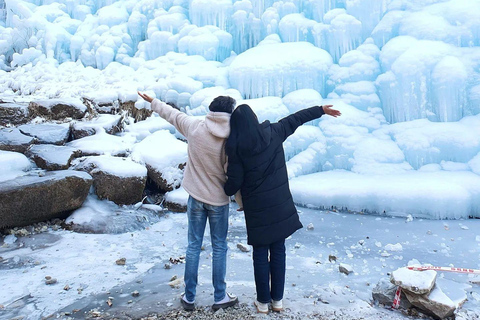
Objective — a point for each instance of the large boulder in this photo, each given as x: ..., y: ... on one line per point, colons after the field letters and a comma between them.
x: 165, y: 158
x: 47, y: 132
x: 111, y: 123
x: 11, y: 139
x: 435, y: 303
x: 117, y: 179
x: 33, y: 198
x: 12, y: 113
x: 58, y: 108
x: 51, y: 157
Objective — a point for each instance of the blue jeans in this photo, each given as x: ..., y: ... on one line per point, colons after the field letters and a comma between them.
x: 269, y: 273
x: 197, y: 213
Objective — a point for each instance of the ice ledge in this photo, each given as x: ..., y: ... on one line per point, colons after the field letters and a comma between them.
x: 435, y: 195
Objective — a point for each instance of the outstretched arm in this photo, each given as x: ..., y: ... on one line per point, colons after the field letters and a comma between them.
x: 178, y: 119
x: 289, y: 124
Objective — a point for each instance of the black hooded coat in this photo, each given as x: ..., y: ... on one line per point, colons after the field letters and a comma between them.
x: 270, y: 213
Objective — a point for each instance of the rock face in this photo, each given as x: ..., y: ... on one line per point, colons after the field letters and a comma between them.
x: 51, y: 157
x: 29, y: 199
x: 47, y: 132
x: 58, y: 108
x: 11, y: 139
x: 13, y: 113
x: 117, y: 179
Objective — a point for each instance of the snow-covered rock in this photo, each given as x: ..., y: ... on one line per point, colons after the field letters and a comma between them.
x: 47, y: 132
x: 13, y: 113
x: 58, y: 108
x: 11, y: 139
x: 51, y: 157
x: 83, y: 128
x: 35, y: 198
x: 164, y: 156
x: 417, y: 282
x: 116, y: 179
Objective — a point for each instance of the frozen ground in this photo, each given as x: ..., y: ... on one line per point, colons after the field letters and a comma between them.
x: 373, y: 245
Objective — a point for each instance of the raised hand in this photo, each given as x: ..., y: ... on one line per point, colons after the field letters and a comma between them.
x: 331, y: 112
x: 145, y: 97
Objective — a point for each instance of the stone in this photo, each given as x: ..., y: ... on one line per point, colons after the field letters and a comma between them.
x: 332, y: 258
x: 345, y: 268
x: 176, y: 283
x: 110, y: 123
x: 121, y: 261
x: 418, y: 282
x: 135, y: 293
x: 51, y: 133
x: 165, y: 162
x: 117, y: 179
x: 434, y: 303
x: 32, y: 198
x: 176, y: 200
x: 13, y: 113
x: 51, y: 157
x: 58, y: 109
x: 384, y: 293
x: 243, y: 247
x: 11, y: 139
x: 50, y: 280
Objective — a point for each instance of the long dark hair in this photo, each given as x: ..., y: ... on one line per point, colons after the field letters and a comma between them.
x: 246, y: 134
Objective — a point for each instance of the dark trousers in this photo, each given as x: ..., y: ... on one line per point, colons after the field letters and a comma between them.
x: 269, y: 270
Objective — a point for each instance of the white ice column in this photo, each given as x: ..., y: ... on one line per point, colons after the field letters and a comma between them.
x: 343, y: 33
x: 370, y: 12
x: 317, y: 8
x: 211, y: 12
x: 449, y: 80
x: 259, y: 6
x: 246, y: 31
x: 295, y: 27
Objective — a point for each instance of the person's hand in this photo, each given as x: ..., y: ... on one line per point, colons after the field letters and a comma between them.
x: 331, y: 112
x: 145, y: 97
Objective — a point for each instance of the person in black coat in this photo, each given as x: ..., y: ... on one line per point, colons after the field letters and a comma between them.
x: 256, y: 167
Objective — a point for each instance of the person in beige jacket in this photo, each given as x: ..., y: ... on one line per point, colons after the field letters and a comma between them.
x: 203, y: 180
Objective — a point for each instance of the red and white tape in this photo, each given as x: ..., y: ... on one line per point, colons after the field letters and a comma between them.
x: 396, y: 299
x: 447, y: 269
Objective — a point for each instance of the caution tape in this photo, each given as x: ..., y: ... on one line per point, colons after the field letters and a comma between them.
x: 396, y: 300
x: 447, y: 269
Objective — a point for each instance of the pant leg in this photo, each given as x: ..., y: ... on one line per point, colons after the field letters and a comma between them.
x: 261, y: 270
x: 197, y: 220
x: 277, y: 269
x: 218, y: 220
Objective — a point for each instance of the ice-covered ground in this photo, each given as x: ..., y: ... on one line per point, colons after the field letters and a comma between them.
x: 373, y: 246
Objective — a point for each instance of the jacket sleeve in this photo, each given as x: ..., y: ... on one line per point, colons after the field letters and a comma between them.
x: 289, y: 124
x: 182, y: 122
x: 234, y: 176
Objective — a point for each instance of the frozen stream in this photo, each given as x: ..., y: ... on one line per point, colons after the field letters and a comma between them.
x: 374, y: 246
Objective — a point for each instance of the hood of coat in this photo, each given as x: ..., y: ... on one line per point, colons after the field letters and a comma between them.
x: 218, y: 124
